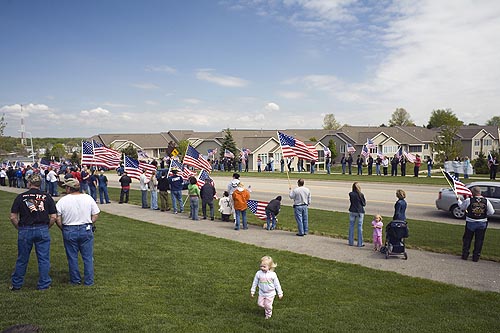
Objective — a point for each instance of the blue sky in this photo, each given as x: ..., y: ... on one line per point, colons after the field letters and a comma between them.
x: 80, y: 68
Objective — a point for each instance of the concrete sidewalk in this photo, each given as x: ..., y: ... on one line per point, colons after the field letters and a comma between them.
x: 482, y: 275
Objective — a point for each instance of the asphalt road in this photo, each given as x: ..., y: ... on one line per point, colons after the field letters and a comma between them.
x: 334, y: 196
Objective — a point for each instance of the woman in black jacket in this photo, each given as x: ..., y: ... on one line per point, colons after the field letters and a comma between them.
x: 356, y: 212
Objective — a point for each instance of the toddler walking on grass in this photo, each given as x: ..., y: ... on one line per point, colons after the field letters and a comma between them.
x: 377, y: 225
x: 269, y: 285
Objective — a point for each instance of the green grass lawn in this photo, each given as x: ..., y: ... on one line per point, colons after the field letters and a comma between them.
x: 151, y: 278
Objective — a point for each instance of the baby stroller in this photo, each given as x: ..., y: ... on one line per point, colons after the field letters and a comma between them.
x: 395, y: 233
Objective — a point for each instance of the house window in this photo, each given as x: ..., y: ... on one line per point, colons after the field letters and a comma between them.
x: 389, y: 150
x: 477, y: 143
x: 342, y: 149
x: 426, y: 146
x: 487, y: 142
x: 415, y: 149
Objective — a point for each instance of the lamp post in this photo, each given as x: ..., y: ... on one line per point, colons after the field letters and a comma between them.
x: 32, y: 150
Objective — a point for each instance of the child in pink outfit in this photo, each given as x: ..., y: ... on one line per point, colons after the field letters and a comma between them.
x: 377, y: 225
x: 269, y: 285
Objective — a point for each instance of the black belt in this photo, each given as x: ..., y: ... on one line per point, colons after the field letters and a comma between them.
x: 36, y: 225
x: 299, y: 205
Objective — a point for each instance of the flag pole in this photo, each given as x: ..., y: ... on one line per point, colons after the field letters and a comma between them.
x: 453, y: 187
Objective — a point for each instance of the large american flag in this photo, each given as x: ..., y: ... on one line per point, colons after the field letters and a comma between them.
x: 105, y: 156
x: 458, y: 187
x: 44, y: 163
x: 294, y: 147
x: 258, y: 208
x: 183, y: 170
x: 195, y: 159
x: 134, y: 168
x: 350, y: 148
x: 94, y: 153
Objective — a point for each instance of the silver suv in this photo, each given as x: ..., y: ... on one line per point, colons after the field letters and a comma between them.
x: 448, y: 201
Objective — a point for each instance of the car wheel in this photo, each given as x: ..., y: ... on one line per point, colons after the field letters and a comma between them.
x: 457, y: 212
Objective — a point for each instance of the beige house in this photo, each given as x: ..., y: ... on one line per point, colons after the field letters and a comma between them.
x: 264, y: 144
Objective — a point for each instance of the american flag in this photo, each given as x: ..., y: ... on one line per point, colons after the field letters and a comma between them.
x: 107, y: 157
x: 258, y: 208
x: 365, y: 152
x: 327, y: 151
x: 184, y: 171
x: 399, y: 153
x: 458, y: 187
x: 134, y: 168
x: 370, y: 144
x: 44, y: 163
x: 228, y: 153
x: 55, y: 165
x: 490, y: 157
x: 410, y: 157
x: 142, y: 154
x: 212, y: 152
x: 195, y: 159
x: 350, y: 148
x: 202, y: 177
x: 294, y: 147
x: 87, y: 152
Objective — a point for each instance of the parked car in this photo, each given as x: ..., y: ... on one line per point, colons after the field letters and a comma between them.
x: 448, y: 201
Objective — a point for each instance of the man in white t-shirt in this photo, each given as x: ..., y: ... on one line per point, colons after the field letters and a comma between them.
x: 76, y: 214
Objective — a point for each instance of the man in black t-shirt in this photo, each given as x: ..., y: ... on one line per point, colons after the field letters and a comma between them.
x: 32, y: 214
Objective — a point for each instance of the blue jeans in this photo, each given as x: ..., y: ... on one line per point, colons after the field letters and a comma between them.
x: 103, y: 192
x: 243, y: 214
x: 271, y: 220
x: 194, y: 203
x: 177, y: 196
x: 429, y: 168
x: 26, y: 237
x: 352, y: 220
x: 301, y: 216
x: 377, y: 169
x: 343, y: 169
x: 93, y: 192
x: 144, y: 195
x: 204, y: 209
x: 53, y: 188
x: 79, y: 238
x: 84, y: 187
x: 154, y: 199
x: 328, y: 171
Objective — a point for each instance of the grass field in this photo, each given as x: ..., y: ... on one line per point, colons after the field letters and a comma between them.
x: 425, y: 235
x: 151, y: 278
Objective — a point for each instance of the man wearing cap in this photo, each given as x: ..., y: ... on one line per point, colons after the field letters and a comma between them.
x: 76, y: 214
x: 163, y: 187
x: 176, y: 183
x: 32, y: 214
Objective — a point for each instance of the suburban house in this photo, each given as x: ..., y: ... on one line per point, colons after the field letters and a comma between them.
x: 264, y: 144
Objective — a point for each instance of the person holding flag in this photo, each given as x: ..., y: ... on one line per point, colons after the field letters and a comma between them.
x: 477, y: 209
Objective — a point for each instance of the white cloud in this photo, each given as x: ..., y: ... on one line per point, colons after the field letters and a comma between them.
x: 163, y: 69
x: 222, y: 80
x: 150, y: 102
x: 191, y: 101
x: 117, y: 105
x: 97, y: 112
x: 272, y: 107
x: 145, y: 86
x: 291, y: 94
x: 15, y: 109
